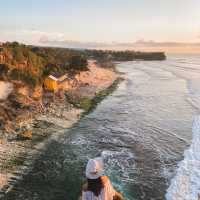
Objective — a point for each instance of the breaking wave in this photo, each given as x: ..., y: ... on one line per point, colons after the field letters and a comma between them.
x: 186, y: 184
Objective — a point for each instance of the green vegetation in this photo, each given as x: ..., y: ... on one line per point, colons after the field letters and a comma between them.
x: 24, y: 76
x: 3, y: 71
x: 124, y: 55
x: 88, y: 104
x: 77, y: 62
x: 84, y: 103
x: 102, y: 94
x: 31, y: 64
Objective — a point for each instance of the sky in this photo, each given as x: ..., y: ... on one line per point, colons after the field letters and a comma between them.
x: 102, y: 23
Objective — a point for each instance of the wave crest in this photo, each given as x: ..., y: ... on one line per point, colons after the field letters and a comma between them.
x: 186, y: 184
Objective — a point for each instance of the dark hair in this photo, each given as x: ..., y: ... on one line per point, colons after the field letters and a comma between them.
x: 95, y: 186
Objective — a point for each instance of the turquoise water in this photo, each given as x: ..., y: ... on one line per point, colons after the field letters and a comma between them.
x: 141, y: 132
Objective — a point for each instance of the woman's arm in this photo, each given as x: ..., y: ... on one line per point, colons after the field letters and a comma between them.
x: 84, y: 189
x: 110, y: 190
x: 118, y: 196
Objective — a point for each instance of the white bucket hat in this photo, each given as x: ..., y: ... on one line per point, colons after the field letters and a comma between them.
x: 94, y: 168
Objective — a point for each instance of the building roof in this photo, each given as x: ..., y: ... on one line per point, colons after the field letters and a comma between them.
x: 58, y: 77
x: 53, y: 77
x: 57, y: 74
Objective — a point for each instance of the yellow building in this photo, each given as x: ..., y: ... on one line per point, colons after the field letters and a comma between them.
x: 55, y: 81
x: 51, y: 83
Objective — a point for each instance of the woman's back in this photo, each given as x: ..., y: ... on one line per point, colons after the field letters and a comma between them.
x: 98, y: 187
x: 107, y: 192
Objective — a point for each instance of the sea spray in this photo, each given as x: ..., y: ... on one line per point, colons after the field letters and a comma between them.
x: 186, y: 184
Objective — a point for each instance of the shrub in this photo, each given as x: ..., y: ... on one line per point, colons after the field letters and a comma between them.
x: 85, y: 103
x: 24, y: 76
x: 78, y: 62
x: 3, y: 70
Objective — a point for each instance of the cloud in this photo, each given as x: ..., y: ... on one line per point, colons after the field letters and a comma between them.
x: 58, y: 39
x: 36, y: 35
x: 70, y: 43
x: 151, y: 43
x: 138, y: 45
x: 30, y: 36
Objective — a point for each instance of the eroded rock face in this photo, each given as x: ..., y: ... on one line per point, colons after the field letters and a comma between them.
x: 7, y: 116
x: 37, y: 92
x: 23, y: 90
x: 26, y: 135
x: 11, y: 110
x: 3, y: 180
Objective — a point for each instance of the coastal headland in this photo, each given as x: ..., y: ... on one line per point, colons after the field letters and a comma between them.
x: 44, y: 91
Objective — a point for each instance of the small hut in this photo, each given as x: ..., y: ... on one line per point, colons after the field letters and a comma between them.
x: 52, y: 81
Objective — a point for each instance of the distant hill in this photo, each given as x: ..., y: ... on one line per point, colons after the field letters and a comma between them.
x: 125, y: 55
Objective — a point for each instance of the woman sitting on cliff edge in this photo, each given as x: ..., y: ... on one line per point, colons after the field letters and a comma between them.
x: 98, y: 187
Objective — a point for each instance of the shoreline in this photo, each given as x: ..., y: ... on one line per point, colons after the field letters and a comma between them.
x: 17, y: 156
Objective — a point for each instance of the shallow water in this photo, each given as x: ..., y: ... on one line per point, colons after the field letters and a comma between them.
x: 141, y: 132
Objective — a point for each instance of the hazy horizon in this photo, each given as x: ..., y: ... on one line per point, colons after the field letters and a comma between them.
x: 170, y: 26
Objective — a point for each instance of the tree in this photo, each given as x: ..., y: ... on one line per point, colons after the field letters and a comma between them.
x: 24, y: 76
x: 18, y: 54
x: 78, y: 62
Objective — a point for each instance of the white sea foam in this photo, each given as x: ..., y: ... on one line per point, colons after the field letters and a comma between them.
x: 119, y: 165
x: 186, y: 184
